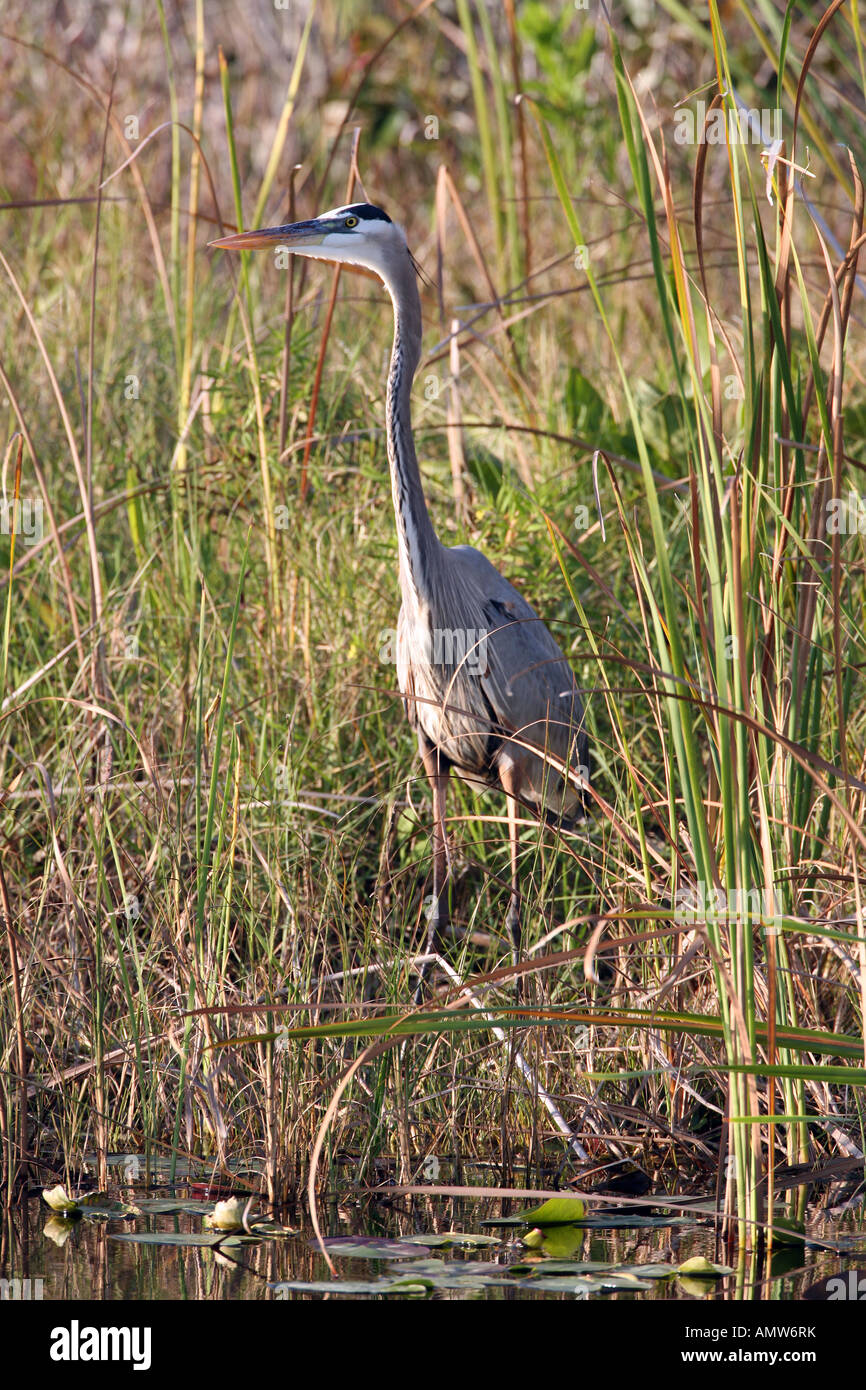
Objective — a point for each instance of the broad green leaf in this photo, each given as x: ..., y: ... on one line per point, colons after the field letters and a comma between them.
x: 370, y: 1248
x: 699, y: 1266
x: 555, y: 1212
x: 198, y: 1238
x: 444, y: 1240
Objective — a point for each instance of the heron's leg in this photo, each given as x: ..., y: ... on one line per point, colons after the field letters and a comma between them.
x: 511, y: 786
x: 437, y: 769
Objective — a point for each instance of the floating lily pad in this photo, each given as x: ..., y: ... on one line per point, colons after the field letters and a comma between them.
x: 470, y: 1282
x: 544, y: 1275
x: 460, y: 1269
x: 98, y: 1204
x: 560, y: 1283
x: 600, y: 1221
x: 457, y: 1274
x: 599, y: 1278
x: 558, y: 1211
x: 342, y: 1286
x: 462, y: 1240
x: 616, y: 1221
x: 171, y: 1206
x: 620, y: 1280
x: 428, y: 1269
x: 592, y: 1268
x: 88, y: 1204
x: 587, y: 1283
x: 201, y: 1238
x: 370, y: 1248
x: 649, y: 1271
x: 699, y: 1266
x: 787, y: 1231
x: 547, y: 1266
x: 272, y: 1228
x: 352, y: 1287
x: 506, y: 1222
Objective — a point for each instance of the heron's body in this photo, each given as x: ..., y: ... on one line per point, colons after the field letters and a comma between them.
x: 485, y: 686
x: 484, y: 682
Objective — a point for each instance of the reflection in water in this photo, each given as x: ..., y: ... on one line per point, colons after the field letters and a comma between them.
x: 80, y: 1258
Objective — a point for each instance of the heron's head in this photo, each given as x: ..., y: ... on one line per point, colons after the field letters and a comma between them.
x: 359, y: 234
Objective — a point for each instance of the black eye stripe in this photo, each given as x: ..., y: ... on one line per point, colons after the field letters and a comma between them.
x: 365, y: 212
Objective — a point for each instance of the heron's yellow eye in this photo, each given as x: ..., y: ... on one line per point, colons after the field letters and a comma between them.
x: 351, y: 222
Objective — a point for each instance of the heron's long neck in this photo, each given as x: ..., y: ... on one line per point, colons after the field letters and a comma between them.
x: 417, y: 541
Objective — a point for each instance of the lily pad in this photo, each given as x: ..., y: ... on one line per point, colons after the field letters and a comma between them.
x: 558, y: 1211
x: 427, y: 1269
x: 462, y: 1240
x: 616, y: 1221
x: 600, y: 1221
x: 593, y: 1269
x: 619, y: 1281
x: 89, y: 1203
x: 458, y: 1268
x: 371, y: 1248
x: 341, y: 1286
x: 171, y: 1206
x: 462, y: 1274
x: 98, y: 1204
x: 352, y: 1287
x: 787, y: 1231
x: 272, y: 1228
x: 649, y: 1271
x: 200, y: 1238
x: 587, y: 1283
x: 551, y: 1266
x: 457, y: 1274
x: 561, y: 1283
x: 700, y: 1267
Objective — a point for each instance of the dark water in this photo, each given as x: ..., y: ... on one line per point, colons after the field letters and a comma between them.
x: 87, y: 1257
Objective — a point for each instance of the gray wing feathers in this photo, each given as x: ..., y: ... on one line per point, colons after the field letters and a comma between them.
x: 482, y: 676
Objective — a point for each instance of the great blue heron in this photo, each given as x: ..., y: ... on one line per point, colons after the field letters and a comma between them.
x: 485, y: 687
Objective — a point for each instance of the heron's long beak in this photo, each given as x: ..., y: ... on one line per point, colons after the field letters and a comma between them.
x: 293, y: 236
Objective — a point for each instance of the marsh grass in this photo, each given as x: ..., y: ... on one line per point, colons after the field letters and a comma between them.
x: 216, y: 848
